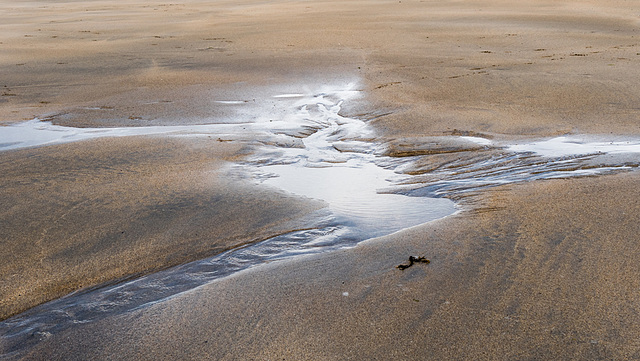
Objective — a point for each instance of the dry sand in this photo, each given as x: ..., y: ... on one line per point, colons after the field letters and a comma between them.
x: 533, y: 67
x: 538, y: 271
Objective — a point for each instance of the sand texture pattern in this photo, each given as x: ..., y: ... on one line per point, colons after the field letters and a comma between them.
x: 76, y: 216
x: 535, y: 271
x: 527, y: 276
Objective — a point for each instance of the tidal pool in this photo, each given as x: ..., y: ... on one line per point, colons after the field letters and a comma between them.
x: 298, y: 153
x: 304, y: 146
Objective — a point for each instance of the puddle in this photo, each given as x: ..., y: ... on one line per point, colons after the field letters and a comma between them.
x: 305, y: 147
x: 351, y: 191
x: 573, y: 147
x: 36, y: 133
x: 309, y: 150
x: 339, y: 165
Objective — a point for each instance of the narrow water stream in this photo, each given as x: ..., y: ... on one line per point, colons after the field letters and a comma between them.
x: 298, y: 153
x: 370, y: 189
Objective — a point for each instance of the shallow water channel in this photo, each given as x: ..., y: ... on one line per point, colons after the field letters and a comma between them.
x: 370, y: 188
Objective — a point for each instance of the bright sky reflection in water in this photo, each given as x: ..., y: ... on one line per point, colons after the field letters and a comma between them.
x: 300, y: 155
x: 349, y: 182
x: 351, y: 191
x: 566, y: 146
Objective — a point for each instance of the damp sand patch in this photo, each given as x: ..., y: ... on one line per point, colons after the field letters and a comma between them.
x: 455, y: 172
x: 307, y: 148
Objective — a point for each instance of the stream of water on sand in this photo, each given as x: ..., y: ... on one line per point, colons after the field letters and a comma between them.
x: 371, y: 189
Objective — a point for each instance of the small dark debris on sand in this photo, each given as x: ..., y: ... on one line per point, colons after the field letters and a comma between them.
x: 412, y: 260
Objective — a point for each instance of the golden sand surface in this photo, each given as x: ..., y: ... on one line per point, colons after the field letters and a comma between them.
x: 77, y: 215
x: 528, y: 275
x: 545, y: 270
x: 531, y: 67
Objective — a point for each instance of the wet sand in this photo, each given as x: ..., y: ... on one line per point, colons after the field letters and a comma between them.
x: 526, y: 275
x: 535, y: 67
x: 544, y: 270
x: 81, y: 214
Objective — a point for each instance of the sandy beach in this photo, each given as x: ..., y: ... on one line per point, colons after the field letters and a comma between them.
x: 520, y: 278
x: 537, y: 270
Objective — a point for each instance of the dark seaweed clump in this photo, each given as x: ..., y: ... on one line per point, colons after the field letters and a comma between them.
x: 412, y: 260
